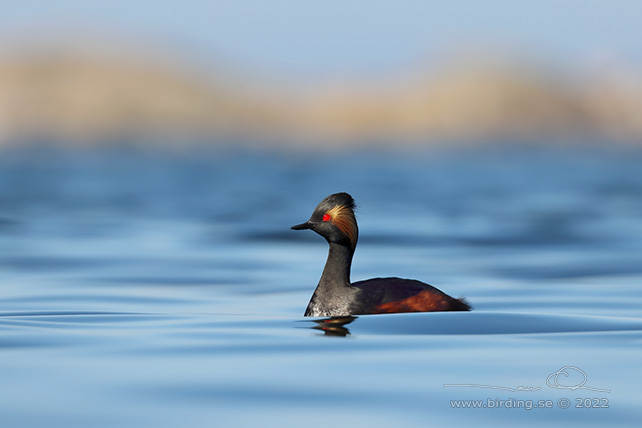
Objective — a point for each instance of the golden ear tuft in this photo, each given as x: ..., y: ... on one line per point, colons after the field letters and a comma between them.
x: 343, y: 218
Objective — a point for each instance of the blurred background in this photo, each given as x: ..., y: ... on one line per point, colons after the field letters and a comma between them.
x: 304, y: 74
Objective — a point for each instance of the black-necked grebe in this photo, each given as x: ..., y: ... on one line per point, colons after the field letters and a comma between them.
x: 335, y: 296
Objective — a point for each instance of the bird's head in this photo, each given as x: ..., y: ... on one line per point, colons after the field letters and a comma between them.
x: 334, y: 219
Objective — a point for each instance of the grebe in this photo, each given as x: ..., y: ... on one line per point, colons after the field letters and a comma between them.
x: 335, y: 296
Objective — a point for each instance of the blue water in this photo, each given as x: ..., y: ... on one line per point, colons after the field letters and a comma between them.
x: 143, y: 289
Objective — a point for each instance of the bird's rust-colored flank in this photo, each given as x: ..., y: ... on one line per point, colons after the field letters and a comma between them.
x: 425, y: 301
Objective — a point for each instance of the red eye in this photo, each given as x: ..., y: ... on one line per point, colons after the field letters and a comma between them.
x: 326, y: 217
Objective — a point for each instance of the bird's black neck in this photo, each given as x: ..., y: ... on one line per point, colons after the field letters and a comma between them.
x: 334, y: 294
x: 337, y: 268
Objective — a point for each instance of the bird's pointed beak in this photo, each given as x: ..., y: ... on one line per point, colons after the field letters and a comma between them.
x: 302, y: 226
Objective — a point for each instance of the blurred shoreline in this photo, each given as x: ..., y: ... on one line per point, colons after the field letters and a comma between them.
x: 81, y: 99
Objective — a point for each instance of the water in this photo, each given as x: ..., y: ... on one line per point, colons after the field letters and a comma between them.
x: 158, y: 290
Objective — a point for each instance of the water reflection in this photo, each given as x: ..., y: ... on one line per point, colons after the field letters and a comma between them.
x: 334, y: 326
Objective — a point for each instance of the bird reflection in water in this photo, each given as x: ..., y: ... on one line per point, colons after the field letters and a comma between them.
x: 334, y: 326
